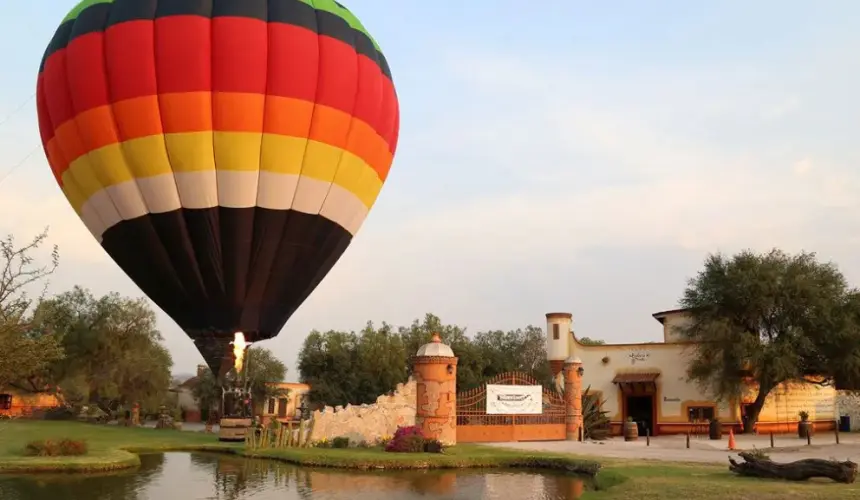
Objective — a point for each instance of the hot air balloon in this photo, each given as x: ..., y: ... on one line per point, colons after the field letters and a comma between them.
x: 223, y: 152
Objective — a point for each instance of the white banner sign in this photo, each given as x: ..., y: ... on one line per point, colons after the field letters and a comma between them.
x: 514, y: 400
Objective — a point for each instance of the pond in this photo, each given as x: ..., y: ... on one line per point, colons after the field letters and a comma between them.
x: 199, y: 476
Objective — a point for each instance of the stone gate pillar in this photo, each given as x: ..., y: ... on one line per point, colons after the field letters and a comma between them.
x: 435, y: 372
x: 572, y: 397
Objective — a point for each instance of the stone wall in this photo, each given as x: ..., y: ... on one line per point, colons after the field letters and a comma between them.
x: 849, y: 404
x: 368, y: 422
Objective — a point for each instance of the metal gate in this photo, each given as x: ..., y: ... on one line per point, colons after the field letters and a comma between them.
x: 474, y: 425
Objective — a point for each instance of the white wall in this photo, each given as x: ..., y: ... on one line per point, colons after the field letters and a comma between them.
x: 558, y: 349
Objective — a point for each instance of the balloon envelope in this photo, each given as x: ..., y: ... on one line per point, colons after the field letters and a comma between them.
x: 224, y: 152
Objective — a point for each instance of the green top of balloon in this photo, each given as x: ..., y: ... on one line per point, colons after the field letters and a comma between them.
x: 330, y: 6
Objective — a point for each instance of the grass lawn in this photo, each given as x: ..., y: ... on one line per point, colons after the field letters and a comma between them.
x: 109, y: 446
x: 645, y: 480
x: 623, y: 479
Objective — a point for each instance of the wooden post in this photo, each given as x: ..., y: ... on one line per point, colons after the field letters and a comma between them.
x: 688, y: 439
x: 808, y: 438
x: 836, y: 431
x: 771, y: 439
x: 581, y: 434
x: 647, y: 437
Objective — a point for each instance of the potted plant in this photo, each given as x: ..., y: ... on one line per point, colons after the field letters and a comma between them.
x: 631, y: 430
x: 715, y: 429
x: 804, y: 427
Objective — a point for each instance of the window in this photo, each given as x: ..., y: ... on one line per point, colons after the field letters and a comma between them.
x: 555, y: 331
x: 271, y: 406
x: 5, y: 401
x: 700, y: 413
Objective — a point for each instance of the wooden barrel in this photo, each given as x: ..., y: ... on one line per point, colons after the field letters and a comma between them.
x: 805, y: 427
x: 631, y: 431
x: 715, y: 430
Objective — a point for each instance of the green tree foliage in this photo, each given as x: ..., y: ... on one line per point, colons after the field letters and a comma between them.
x: 328, y: 362
x: 771, y: 318
x: 113, y: 350
x: 27, y: 352
x: 349, y: 367
x: 264, y: 371
x: 591, y: 341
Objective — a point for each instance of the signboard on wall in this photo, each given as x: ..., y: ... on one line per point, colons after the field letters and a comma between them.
x: 514, y: 399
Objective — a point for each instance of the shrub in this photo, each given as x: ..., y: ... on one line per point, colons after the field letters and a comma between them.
x: 61, y: 448
x: 322, y: 443
x: 407, y: 440
x: 340, y: 442
x: 758, y: 454
x: 60, y: 413
x: 383, y: 441
x: 433, y: 446
x: 595, y: 420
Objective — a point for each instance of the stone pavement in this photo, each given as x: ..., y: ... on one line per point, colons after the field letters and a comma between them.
x: 703, y: 450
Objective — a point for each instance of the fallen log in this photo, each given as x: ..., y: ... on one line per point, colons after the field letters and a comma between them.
x: 801, y: 470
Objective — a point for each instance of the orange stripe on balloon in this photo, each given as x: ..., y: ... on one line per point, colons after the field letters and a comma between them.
x: 186, y: 112
x: 69, y: 141
x: 56, y: 160
x: 238, y: 112
x: 96, y: 126
x: 288, y: 116
x: 138, y: 117
x: 230, y: 112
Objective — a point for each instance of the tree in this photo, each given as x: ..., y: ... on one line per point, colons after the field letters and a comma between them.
x: 355, y: 368
x: 26, y: 359
x: 521, y: 350
x: 264, y: 372
x: 114, y: 355
x: 327, y: 361
x: 380, y: 355
x: 27, y: 352
x: 470, y: 363
x: 767, y: 319
x: 590, y: 341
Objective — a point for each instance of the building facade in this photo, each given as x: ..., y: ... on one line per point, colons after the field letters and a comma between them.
x: 283, y: 408
x: 647, y: 382
x: 287, y: 407
x: 15, y: 403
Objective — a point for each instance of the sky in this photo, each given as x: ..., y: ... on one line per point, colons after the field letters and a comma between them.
x: 575, y: 156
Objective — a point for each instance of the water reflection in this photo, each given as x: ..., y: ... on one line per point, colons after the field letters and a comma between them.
x: 126, y: 485
x: 184, y: 476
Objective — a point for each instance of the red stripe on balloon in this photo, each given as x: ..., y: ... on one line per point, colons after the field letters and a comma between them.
x: 338, y: 75
x: 130, y: 60
x: 87, y: 83
x: 239, y: 55
x: 57, y: 94
x: 293, y: 62
x: 183, y: 54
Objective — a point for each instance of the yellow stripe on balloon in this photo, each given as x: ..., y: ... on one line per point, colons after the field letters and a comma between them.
x: 107, y: 167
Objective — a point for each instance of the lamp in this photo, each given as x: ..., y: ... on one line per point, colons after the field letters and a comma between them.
x: 580, y: 371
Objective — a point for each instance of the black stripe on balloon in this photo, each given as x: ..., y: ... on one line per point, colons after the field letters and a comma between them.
x: 267, y: 273
x: 293, y: 12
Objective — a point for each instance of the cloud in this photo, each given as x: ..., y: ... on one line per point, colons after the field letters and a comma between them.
x: 580, y: 186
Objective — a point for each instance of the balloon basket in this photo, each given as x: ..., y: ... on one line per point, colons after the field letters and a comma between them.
x: 234, y: 429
